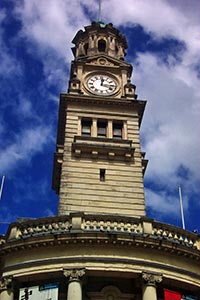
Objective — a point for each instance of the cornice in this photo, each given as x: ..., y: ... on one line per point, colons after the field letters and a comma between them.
x: 90, y: 238
x: 130, y: 104
x: 102, y: 100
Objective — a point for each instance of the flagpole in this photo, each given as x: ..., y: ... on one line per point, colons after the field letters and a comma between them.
x: 2, y: 184
x: 181, y: 206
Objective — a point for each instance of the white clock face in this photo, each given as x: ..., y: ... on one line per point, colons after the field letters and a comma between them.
x: 102, y: 85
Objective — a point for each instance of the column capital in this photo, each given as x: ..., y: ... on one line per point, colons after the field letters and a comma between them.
x: 74, y: 274
x: 6, y: 283
x: 151, y: 278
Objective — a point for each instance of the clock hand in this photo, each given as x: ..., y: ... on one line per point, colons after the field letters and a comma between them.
x: 107, y: 85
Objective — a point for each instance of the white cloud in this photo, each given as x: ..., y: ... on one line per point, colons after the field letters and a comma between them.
x: 9, y: 65
x: 49, y: 30
x: 172, y: 120
x: 162, y: 19
x: 162, y: 203
x: 25, y: 146
x: 53, y: 26
x: 170, y: 128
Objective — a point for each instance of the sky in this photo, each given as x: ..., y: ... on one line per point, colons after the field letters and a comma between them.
x: 35, y: 56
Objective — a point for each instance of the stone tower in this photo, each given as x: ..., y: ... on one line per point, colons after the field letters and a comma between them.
x: 98, y: 164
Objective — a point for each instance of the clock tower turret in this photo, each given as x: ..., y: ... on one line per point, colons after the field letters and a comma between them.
x: 98, y: 165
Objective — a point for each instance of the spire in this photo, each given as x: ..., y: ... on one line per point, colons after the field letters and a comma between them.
x: 101, y: 23
x: 99, y: 16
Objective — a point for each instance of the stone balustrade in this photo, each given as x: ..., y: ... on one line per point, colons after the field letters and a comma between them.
x: 36, y: 227
x: 176, y: 234
x: 112, y: 224
x: 139, y: 227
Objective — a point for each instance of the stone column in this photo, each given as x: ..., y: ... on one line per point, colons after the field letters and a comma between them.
x: 110, y: 129
x: 74, y: 285
x: 149, y: 285
x: 6, y: 290
x: 94, y: 128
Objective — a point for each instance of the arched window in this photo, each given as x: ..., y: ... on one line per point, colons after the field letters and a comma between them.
x: 101, y: 45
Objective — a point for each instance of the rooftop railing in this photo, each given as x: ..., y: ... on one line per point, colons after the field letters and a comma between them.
x: 81, y: 223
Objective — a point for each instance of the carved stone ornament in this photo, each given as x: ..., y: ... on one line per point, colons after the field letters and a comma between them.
x: 5, y: 283
x: 74, y: 274
x: 101, y: 61
x: 151, y: 278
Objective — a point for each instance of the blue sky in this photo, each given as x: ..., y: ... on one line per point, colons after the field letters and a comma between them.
x: 35, y: 55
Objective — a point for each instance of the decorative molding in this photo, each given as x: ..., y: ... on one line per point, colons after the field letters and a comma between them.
x: 74, y: 274
x: 101, y: 61
x: 141, y: 264
x: 151, y: 278
x: 5, y: 283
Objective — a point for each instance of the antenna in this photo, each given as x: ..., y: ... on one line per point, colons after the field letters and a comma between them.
x: 99, y: 17
x: 1, y: 188
x: 181, y: 206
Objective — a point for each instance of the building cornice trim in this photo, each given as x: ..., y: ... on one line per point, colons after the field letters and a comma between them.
x: 100, y: 259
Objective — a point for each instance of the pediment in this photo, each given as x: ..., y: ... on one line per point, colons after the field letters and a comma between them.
x: 105, y: 60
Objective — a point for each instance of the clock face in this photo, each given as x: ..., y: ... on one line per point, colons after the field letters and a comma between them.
x: 102, y: 85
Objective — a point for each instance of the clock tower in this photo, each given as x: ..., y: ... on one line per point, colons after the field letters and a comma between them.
x: 101, y: 246
x: 98, y: 163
